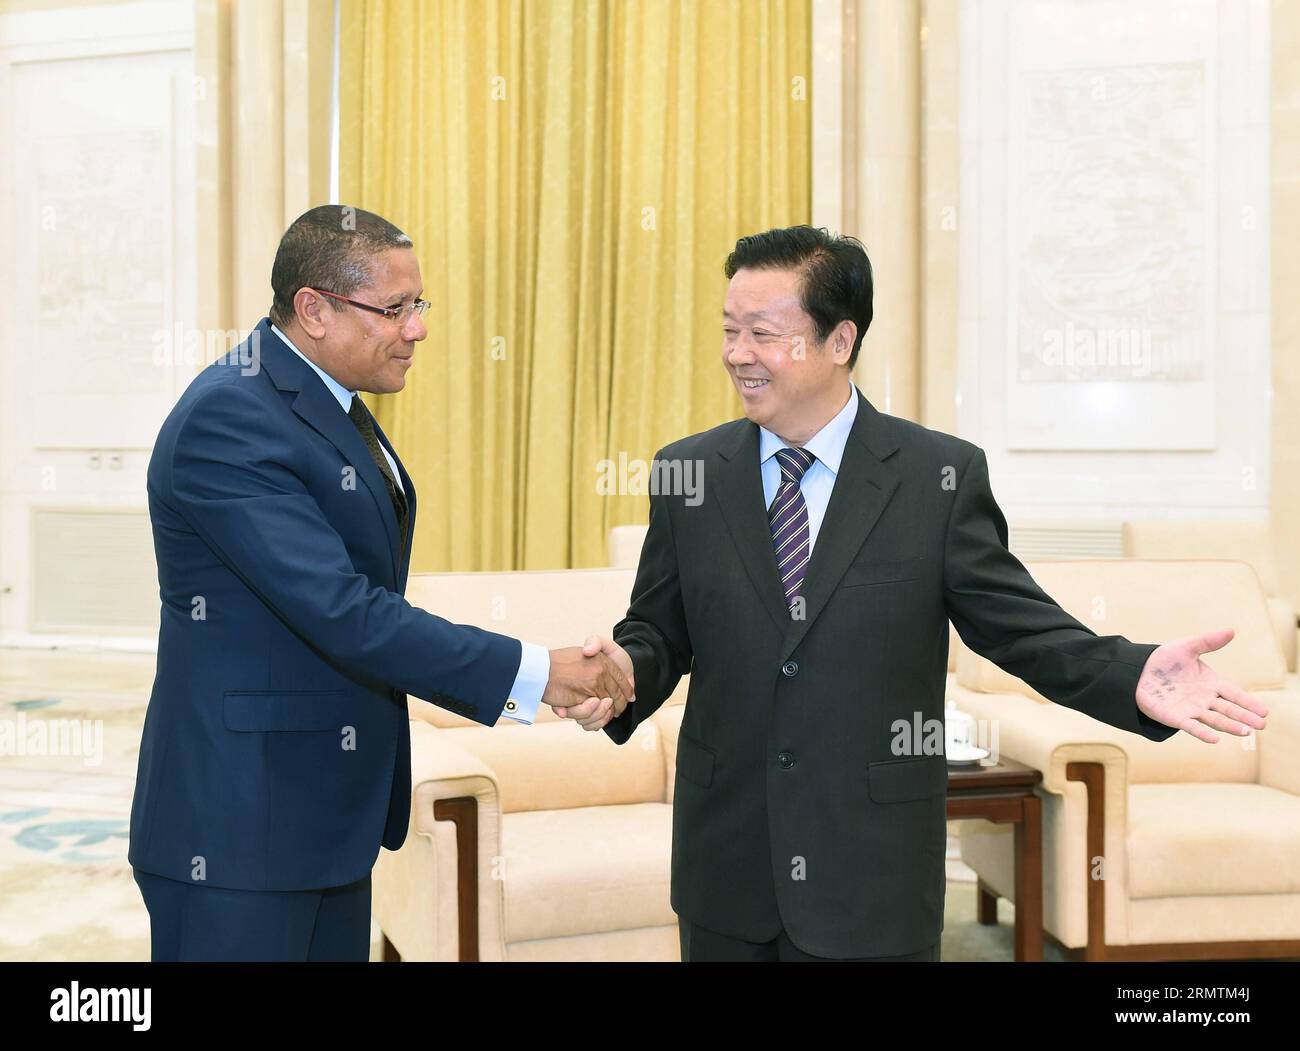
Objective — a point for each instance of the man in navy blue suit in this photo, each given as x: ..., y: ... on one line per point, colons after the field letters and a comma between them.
x: 275, y: 759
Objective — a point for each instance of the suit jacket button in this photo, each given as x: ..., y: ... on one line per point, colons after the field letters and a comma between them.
x: 785, y: 759
x: 790, y: 668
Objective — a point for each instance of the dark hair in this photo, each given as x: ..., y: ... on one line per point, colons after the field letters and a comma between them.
x: 835, y: 272
x: 329, y: 247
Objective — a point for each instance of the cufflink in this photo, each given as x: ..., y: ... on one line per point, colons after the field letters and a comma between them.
x: 511, y: 706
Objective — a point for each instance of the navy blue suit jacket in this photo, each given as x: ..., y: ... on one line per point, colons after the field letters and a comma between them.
x: 276, y: 749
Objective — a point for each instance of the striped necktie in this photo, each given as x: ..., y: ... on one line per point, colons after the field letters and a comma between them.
x: 365, y: 423
x: 789, y: 520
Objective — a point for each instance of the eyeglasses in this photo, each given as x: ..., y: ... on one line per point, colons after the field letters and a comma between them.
x: 418, y: 306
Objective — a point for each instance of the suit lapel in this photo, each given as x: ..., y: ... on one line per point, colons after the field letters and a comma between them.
x: 739, y: 483
x: 317, y: 407
x: 863, y: 487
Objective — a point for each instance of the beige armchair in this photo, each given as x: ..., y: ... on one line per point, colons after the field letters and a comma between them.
x: 1176, y: 850
x: 542, y: 842
x: 1249, y: 541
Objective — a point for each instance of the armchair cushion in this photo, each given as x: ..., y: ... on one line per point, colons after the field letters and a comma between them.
x: 1211, y: 838
x: 597, y: 868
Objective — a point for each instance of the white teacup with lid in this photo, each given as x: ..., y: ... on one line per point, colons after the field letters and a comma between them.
x: 959, y: 728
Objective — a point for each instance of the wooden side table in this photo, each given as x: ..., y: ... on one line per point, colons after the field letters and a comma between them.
x: 1004, y: 792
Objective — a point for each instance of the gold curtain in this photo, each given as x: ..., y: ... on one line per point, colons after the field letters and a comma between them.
x: 262, y: 109
x: 573, y: 174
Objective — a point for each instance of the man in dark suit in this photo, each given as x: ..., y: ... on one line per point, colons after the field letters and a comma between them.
x: 808, y: 595
x: 276, y: 754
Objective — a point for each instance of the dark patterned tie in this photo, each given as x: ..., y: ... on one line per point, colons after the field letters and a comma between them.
x: 365, y: 423
x: 789, y: 520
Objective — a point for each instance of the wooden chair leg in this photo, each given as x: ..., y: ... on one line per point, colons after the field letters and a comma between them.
x: 1093, y: 776
x: 1029, y: 882
x: 986, y: 905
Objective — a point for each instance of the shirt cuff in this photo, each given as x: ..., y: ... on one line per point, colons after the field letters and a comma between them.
x: 530, y: 683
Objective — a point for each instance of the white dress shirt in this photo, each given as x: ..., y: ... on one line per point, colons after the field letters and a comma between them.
x: 535, y: 661
x: 818, y: 481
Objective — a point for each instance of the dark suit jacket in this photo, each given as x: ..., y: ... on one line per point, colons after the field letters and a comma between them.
x: 791, y: 807
x: 276, y: 744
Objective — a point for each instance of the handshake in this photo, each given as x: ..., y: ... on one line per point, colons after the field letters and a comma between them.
x: 591, y: 684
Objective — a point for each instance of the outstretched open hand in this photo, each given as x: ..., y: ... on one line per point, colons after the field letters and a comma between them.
x: 1178, y: 689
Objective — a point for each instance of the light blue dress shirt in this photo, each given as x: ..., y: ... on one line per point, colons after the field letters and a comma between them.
x: 535, y: 661
x: 818, y: 481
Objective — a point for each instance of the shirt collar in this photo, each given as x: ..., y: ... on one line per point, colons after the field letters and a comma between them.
x: 827, y: 444
x: 341, y: 394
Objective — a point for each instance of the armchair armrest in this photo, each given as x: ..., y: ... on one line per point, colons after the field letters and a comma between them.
x: 1085, y: 805
x: 1283, y: 617
x: 1044, y: 736
x: 440, y: 897
x: 1279, y: 742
